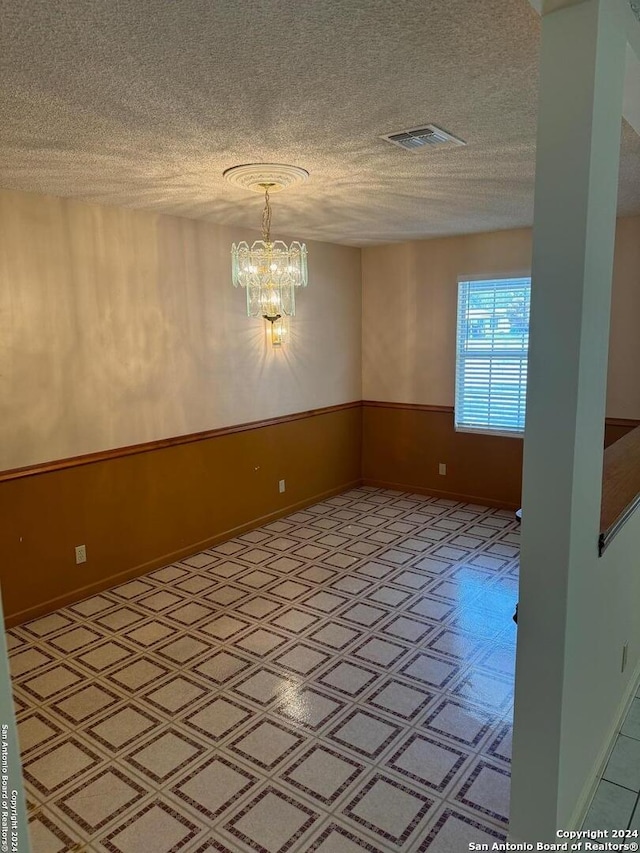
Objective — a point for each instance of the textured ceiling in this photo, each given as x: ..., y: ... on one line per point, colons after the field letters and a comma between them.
x: 144, y: 103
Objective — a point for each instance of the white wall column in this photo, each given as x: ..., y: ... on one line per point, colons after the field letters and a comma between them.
x: 582, y: 72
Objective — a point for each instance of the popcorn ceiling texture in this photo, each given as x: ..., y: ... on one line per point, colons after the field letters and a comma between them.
x: 144, y: 103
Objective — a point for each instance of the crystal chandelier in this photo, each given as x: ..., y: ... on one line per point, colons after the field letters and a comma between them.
x: 269, y: 270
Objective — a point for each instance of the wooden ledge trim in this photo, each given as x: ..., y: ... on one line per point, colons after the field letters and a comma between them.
x: 620, y: 485
x: 163, y: 443
x: 630, y: 423
x: 174, y: 441
x: 411, y: 407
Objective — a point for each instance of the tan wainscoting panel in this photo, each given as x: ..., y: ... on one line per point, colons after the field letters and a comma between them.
x: 151, y: 505
x: 402, y: 446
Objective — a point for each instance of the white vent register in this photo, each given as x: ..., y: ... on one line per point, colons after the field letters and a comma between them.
x: 420, y: 138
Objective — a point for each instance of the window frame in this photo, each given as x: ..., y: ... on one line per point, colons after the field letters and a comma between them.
x: 519, y: 276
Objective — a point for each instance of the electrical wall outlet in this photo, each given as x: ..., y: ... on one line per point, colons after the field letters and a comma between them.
x: 625, y: 655
x: 442, y: 469
x: 281, y: 486
x: 81, y: 554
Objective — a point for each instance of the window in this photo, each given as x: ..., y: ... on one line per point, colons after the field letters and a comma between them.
x: 491, y: 363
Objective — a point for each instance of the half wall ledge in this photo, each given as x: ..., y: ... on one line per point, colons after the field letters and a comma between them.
x: 620, y: 486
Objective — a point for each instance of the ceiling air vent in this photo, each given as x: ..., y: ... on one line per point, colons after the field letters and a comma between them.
x: 419, y: 138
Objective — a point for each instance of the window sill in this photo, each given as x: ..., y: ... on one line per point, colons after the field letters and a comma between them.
x: 485, y: 431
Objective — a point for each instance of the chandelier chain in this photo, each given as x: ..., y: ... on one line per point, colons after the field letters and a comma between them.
x: 266, y: 217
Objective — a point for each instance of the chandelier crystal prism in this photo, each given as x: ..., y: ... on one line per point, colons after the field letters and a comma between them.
x: 269, y: 270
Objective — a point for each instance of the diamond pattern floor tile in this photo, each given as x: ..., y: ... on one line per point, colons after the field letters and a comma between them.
x: 486, y: 790
x: 322, y: 683
x: 218, y: 718
x: 364, y: 733
x: 429, y: 762
x: 55, y: 766
x: 323, y: 774
x: 272, y: 822
x: 157, y: 827
x: 454, y: 830
x: 164, y: 755
x: 266, y: 744
x: 47, y: 836
x: 122, y: 727
x: 213, y: 787
x: 34, y: 730
x: 310, y: 709
x: 103, y: 795
x: 389, y: 809
x: 336, y: 839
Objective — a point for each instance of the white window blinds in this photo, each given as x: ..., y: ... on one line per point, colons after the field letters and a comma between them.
x: 491, y: 362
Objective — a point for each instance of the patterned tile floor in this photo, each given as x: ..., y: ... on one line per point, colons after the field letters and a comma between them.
x: 337, y: 681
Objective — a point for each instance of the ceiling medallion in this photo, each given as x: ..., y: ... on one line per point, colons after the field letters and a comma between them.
x: 254, y: 176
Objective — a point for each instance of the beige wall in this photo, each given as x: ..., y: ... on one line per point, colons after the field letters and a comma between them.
x: 119, y: 327
x: 409, y: 310
x: 409, y: 313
